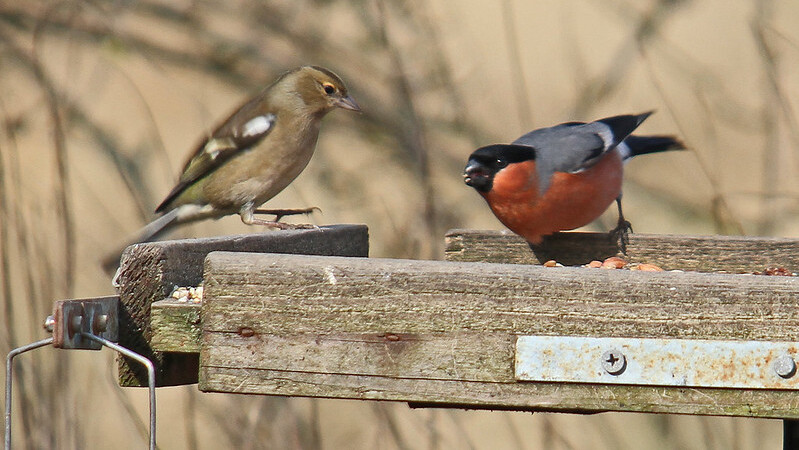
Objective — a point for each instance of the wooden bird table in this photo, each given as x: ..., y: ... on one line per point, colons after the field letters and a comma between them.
x: 489, y: 328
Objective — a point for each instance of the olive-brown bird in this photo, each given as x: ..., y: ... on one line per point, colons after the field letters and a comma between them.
x: 254, y: 153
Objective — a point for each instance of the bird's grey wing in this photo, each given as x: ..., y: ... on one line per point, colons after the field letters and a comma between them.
x: 569, y: 147
x: 575, y: 146
x: 242, y: 131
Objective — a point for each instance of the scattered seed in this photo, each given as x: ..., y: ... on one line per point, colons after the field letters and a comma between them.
x: 185, y: 294
x: 776, y: 271
x: 646, y: 267
x: 614, y: 262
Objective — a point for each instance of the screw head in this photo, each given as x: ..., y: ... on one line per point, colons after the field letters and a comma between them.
x: 785, y: 366
x: 100, y: 324
x: 614, y: 362
x: 75, y: 324
x: 49, y: 324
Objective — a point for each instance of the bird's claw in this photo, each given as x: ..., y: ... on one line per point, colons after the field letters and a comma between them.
x: 620, y: 235
x: 281, y: 213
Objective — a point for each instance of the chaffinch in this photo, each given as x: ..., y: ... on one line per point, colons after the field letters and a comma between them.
x: 254, y: 153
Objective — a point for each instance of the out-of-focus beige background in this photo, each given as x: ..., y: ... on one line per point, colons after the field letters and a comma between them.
x: 101, y: 101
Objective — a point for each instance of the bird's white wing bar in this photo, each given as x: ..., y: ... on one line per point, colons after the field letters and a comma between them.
x: 258, y: 125
x: 606, y: 134
x: 625, y: 151
x: 215, y: 145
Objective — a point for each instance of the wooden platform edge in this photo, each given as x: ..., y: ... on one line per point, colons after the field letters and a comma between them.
x: 175, y: 326
x: 150, y: 271
x: 443, y: 333
x: 725, y: 254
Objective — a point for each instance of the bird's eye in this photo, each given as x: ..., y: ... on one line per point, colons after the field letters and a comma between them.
x: 501, y: 163
x: 329, y: 88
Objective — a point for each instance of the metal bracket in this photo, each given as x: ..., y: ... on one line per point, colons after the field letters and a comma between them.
x: 72, y: 319
x: 658, y: 362
x: 87, y: 324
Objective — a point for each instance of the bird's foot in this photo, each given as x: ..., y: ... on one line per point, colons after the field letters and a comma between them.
x: 294, y: 226
x: 281, y: 213
x: 275, y: 225
x: 620, y: 234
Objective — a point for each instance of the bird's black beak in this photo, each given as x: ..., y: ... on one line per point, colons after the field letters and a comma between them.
x: 477, y: 176
x: 347, y: 103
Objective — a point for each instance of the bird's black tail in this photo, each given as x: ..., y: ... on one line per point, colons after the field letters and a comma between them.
x: 641, y: 145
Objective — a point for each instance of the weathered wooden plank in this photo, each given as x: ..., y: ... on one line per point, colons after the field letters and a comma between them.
x: 732, y: 254
x: 578, y: 398
x: 149, y: 272
x: 443, y: 332
x: 444, y: 356
x: 175, y: 326
x: 175, y: 332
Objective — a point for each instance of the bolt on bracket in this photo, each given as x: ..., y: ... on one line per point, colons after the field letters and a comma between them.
x: 73, y: 319
x: 658, y: 362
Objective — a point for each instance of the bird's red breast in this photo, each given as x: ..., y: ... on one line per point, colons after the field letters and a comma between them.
x: 572, y: 200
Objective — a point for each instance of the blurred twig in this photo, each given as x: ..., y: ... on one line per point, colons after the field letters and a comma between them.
x: 62, y: 180
x: 462, y: 432
x: 517, y: 68
x: 647, y: 28
x: 415, y: 133
x: 552, y: 433
x: 9, y: 217
x: 776, y: 103
x: 725, y: 220
x: 516, y: 438
x: 190, y: 418
x: 385, y: 416
x: 127, y: 406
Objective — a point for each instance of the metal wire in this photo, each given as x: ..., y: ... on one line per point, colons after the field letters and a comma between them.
x: 130, y: 354
x: 150, y: 376
x: 9, y: 377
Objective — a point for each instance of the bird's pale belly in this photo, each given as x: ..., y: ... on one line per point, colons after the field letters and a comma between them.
x: 250, y: 180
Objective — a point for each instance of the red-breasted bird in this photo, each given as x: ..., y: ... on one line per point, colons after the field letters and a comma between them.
x: 562, y: 177
x: 254, y: 153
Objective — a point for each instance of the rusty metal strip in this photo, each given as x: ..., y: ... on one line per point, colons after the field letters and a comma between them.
x: 658, y: 362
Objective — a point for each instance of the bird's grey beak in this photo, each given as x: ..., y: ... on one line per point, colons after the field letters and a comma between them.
x: 469, y: 172
x: 347, y: 103
x: 476, y: 176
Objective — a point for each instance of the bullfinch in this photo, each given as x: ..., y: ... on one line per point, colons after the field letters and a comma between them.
x: 562, y: 177
x: 254, y: 153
